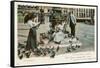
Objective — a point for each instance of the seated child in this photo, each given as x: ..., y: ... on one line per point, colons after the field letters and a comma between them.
x: 58, y: 36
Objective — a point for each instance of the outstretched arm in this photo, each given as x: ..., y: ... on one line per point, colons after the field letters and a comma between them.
x: 37, y: 25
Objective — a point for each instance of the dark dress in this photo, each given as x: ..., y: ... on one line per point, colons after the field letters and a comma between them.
x: 32, y: 40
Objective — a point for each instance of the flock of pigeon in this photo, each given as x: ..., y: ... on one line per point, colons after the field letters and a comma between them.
x: 49, y: 49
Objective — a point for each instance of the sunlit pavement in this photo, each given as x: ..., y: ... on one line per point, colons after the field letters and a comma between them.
x: 84, y: 32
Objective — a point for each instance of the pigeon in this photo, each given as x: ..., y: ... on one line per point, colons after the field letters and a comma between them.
x: 27, y: 54
x: 57, y: 49
x: 52, y: 54
x: 20, y: 56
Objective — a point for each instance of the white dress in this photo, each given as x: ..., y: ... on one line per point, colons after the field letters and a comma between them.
x: 59, y: 36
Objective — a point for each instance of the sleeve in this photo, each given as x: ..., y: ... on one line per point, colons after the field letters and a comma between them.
x: 30, y: 24
x: 73, y: 19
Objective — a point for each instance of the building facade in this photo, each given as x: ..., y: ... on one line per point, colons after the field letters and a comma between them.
x: 44, y: 12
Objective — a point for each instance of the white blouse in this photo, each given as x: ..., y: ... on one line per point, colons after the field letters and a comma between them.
x: 31, y: 24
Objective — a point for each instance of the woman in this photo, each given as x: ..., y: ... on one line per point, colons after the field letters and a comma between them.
x: 30, y: 20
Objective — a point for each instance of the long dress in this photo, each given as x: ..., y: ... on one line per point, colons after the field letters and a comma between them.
x: 32, y: 38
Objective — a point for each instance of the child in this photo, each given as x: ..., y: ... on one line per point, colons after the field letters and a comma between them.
x: 58, y: 36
